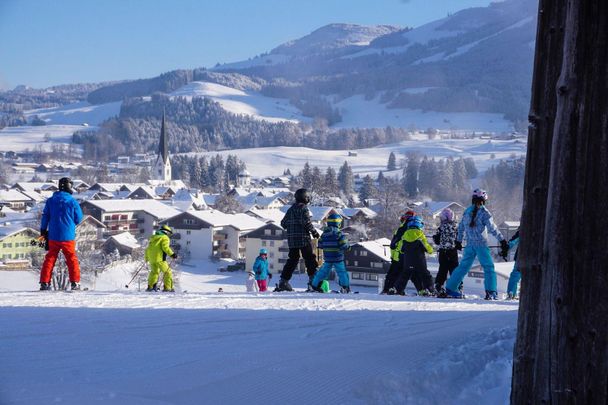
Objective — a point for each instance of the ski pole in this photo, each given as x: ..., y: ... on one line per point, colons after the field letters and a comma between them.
x: 135, y: 275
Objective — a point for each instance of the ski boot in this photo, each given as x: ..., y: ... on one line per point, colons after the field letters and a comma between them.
x: 511, y: 296
x: 344, y: 290
x: 283, y: 286
x: 168, y: 290
x: 424, y: 293
x: 453, y: 294
x: 440, y: 292
x: 491, y: 295
x: 152, y: 288
x: 74, y: 286
x: 392, y: 291
x: 45, y: 286
x: 312, y: 288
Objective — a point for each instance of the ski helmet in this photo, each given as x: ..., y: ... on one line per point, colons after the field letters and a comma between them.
x: 263, y: 251
x: 407, y: 215
x: 302, y: 196
x: 480, y: 195
x: 65, y: 184
x: 415, y: 222
x: 334, y: 219
x: 447, y: 215
x: 166, y: 229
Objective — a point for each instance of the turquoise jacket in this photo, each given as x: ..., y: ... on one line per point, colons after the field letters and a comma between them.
x: 260, y: 268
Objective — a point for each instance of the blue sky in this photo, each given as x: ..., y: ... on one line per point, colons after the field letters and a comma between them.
x: 49, y: 42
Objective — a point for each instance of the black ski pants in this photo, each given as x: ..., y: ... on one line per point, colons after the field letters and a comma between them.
x: 421, y: 278
x: 310, y: 260
x: 448, y: 261
x: 394, y: 275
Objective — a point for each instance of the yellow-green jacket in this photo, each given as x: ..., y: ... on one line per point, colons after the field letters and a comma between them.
x: 397, y: 242
x: 414, y: 234
x: 158, y: 248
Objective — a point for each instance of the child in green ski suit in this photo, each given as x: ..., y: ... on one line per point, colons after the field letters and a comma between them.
x: 156, y: 256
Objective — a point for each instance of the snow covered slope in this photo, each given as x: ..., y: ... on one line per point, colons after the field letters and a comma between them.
x: 76, y: 114
x: 243, y: 102
x: 132, y: 347
x: 19, y: 139
x: 372, y: 160
x: 357, y: 112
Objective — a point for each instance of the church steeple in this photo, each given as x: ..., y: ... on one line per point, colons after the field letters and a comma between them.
x: 163, y: 146
x: 162, y: 167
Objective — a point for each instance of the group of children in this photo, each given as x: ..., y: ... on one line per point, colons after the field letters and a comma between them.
x: 409, y: 247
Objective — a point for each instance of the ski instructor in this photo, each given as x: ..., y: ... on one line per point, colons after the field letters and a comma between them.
x: 60, y: 216
x: 298, y: 226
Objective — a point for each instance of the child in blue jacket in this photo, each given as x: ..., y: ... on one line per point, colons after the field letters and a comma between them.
x: 475, y: 220
x: 334, y: 243
x: 260, y: 268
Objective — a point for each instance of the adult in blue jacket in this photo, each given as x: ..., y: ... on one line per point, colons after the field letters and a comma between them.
x: 60, y: 216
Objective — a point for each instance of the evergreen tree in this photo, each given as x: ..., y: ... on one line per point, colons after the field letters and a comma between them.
x: 446, y: 179
x: 205, y: 182
x: 472, y: 172
x: 331, y: 181
x: 195, y: 174
x: 392, y: 162
x: 232, y: 168
x: 316, y: 180
x: 345, y: 179
x: 411, y: 175
x: 381, y: 179
x: 461, y: 185
x: 306, y: 176
x: 368, y: 189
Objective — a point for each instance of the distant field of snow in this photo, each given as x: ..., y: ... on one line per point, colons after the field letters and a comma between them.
x: 18, y: 139
x: 76, y: 114
x: 242, y: 102
x: 123, y: 346
x: 372, y: 160
x: 358, y: 112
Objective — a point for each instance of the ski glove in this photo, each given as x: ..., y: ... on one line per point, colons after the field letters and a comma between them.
x: 174, y: 255
x: 504, y: 248
x: 315, y: 234
x: 436, y: 239
x: 44, y: 233
x: 270, y: 276
x: 458, y: 245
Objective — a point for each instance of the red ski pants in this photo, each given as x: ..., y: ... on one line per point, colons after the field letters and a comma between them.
x: 69, y: 252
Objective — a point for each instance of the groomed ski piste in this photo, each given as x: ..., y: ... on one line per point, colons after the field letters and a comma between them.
x: 114, y: 345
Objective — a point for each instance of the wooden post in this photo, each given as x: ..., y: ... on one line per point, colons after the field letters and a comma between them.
x: 561, y: 352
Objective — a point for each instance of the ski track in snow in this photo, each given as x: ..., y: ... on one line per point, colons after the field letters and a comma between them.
x: 191, y: 348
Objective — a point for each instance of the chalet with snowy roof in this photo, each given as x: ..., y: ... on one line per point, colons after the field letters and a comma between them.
x: 16, y: 200
x: 184, y: 200
x: 15, y: 241
x: 125, y: 243
x: 115, y: 187
x: 210, y: 233
x: 271, y: 215
x: 430, y: 210
x: 89, y: 234
x: 244, y: 178
x: 143, y: 193
x: 367, y: 262
x: 140, y: 217
x: 272, y: 238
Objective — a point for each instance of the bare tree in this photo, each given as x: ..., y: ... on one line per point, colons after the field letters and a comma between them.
x: 561, y: 352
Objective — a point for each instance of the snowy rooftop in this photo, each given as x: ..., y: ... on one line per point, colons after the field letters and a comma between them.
x: 216, y: 218
x: 377, y: 247
x: 126, y: 239
x: 152, y: 207
x: 273, y: 215
x: 13, y: 195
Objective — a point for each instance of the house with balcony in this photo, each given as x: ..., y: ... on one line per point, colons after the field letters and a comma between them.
x: 15, y: 242
x: 366, y: 262
x: 139, y: 217
x: 211, y: 234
